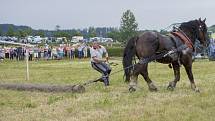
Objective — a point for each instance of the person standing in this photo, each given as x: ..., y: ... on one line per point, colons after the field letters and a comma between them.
x: 80, y: 51
x: 11, y: 53
x: 1, y: 54
x: 30, y: 50
x: 42, y: 52
x: 85, y: 49
x: 98, y: 63
x: 72, y: 53
x: 61, y: 53
x: 7, y: 52
x: 49, y: 53
x: 54, y: 53
x: 19, y: 54
x: 36, y: 53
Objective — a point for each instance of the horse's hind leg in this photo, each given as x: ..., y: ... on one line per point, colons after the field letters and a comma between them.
x: 133, y: 78
x: 144, y: 73
x: 176, y: 69
x: 133, y: 82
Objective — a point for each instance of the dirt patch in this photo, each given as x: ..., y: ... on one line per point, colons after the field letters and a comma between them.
x: 43, y: 88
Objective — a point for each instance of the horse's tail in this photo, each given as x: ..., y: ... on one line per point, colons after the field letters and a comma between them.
x: 129, y: 53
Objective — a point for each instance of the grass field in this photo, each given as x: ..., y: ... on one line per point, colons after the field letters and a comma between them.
x: 98, y: 103
x: 213, y: 35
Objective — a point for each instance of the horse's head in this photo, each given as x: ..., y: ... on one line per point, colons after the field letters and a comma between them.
x: 202, y: 35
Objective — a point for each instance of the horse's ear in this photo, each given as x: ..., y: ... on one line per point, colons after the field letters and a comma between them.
x: 200, y: 19
x: 204, y: 20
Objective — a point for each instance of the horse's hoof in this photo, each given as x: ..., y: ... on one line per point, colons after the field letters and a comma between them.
x: 152, y: 87
x: 197, y: 90
x: 193, y: 86
x: 171, y: 86
x: 132, y: 89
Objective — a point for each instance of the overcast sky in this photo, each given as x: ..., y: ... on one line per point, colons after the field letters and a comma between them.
x: 150, y: 14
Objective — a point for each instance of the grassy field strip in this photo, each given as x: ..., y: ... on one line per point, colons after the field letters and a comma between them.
x: 114, y: 103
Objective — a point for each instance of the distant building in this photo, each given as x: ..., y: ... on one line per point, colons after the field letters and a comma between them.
x: 36, y: 39
x: 101, y: 40
x: 76, y: 39
x: 61, y: 40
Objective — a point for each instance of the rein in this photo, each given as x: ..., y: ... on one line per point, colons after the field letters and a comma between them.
x: 141, y: 61
x: 179, y: 33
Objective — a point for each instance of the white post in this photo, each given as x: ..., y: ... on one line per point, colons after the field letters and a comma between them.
x: 27, y: 67
x: 26, y: 54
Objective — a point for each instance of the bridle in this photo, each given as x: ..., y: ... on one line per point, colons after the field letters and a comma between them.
x: 201, y: 32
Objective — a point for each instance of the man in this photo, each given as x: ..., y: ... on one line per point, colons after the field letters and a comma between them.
x: 98, y: 63
x: 85, y: 48
x: 72, y: 52
x: 1, y: 54
x: 11, y: 53
x: 80, y: 51
x: 36, y: 53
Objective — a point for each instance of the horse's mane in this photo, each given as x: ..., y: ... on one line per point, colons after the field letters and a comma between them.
x: 191, y: 26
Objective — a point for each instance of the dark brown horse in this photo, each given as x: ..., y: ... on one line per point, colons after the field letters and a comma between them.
x: 153, y: 43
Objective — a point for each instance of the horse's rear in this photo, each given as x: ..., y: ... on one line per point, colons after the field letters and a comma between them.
x: 143, y: 46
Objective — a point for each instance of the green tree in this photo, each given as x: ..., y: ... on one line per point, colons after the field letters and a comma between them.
x: 92, y: 32
x: 77, y: 33
x: 62, y: 34
x: 21, y: 33
x: 40, y: 33
x: 28, y: 31
x: 10, y: 31
x: 128, y: 26
x: 115, y: 35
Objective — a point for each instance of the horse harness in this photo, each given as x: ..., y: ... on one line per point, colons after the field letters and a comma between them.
x: 173, y: 35
x: 184, y: 38
x: 187, y: 44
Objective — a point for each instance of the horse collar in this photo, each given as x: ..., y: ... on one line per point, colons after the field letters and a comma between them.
x: 186, y: 40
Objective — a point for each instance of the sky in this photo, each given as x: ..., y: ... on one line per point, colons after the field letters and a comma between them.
x: 79, y: 14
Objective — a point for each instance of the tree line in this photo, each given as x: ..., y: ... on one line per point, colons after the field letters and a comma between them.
x: 12, y: 30
x: 128, y: 28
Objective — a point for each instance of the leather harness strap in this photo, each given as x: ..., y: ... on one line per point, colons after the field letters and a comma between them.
x: 184, y: 39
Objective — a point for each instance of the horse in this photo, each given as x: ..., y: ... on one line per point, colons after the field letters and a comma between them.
x: 151, y: 43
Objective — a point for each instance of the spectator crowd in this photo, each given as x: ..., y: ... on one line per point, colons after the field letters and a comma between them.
x: 45, y: 52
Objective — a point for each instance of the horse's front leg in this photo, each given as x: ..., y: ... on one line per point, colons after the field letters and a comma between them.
x: 188, y: 69
x: 187, y: 63
x: 176, y: 69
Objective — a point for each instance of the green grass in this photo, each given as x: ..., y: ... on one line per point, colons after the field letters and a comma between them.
x: 213, y: 35
x: 98, y: 103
